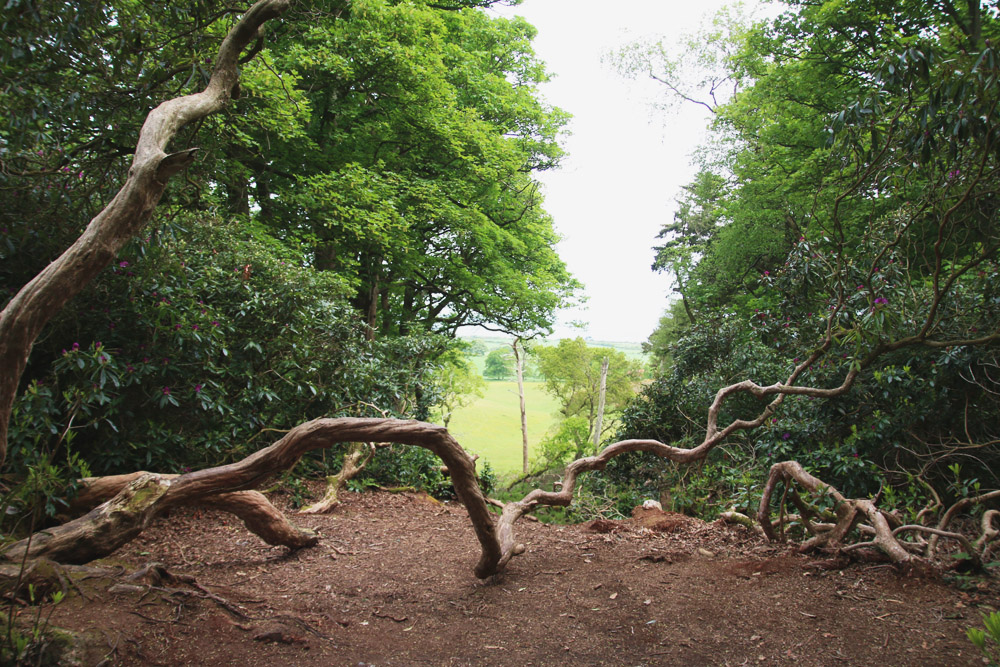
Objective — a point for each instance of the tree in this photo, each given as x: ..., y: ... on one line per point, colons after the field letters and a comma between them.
x: 456, y: 384
x: 499, y: 364
x: 899, y: 269
x: 572, y: 373
x: 411, y: 166
x: 855, y: 218
x: 24, y: 316
x: 517, y: 347
x: 689, y: 238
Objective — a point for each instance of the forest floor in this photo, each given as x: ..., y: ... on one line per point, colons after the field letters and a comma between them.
x: 391, y: 583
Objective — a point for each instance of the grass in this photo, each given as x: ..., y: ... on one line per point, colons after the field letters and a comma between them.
x: 491, y: 426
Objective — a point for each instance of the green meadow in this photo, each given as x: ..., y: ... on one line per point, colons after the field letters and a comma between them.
x: 491, y: 426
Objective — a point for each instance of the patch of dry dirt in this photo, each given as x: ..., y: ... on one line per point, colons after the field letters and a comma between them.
x: 391, y: 583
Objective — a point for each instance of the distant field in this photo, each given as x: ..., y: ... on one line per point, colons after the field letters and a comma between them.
x: 491, y: 427
x: 631, y: 350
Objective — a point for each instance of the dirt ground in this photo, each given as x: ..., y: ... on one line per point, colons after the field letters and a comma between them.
x: 391, y: 583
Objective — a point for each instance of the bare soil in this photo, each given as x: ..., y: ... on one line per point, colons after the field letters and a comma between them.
x: 391, y: 583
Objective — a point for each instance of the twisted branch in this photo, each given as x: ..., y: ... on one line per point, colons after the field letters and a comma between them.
x: 22, y: 320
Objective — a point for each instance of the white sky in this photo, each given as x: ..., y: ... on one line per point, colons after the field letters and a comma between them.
x: 627, y: 161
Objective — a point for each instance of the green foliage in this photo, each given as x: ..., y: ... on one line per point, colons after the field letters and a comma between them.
x: 558, y: 448
x: 988, y: 640
x: 499, y: 364
x: 30, y: 643
x: 407, y: 466
x: 196, y: 341
x: 378, y: 164
x: 843, y: 221
x: 411, y: 169
x: 572, y: 373
x: 456, y: 383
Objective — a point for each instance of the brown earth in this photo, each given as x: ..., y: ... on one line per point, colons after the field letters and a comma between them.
x: 391, y: 583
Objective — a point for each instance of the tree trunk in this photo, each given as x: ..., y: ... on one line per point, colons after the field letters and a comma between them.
x: 31, y: 308
x: 519, y: 368
x: 121, y: 519
x: 600, y: 403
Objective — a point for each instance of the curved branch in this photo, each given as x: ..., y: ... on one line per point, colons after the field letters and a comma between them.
x: 145, y: 496
x: 31, y: 308
x: 953, y: 511
x: 848, y: 511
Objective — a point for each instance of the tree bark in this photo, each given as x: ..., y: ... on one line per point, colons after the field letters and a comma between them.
x: 599, y: 422
x: 848, y: 512
x: 357, y: 457
x: 122, y: 518
x: 519, y: 368
x: 31, y: 308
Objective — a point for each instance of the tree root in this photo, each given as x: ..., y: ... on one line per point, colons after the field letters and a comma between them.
x: 883, y: 528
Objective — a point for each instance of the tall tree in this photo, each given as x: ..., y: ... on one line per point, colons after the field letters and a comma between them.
x: 411, y: 166
x: 572, y: 372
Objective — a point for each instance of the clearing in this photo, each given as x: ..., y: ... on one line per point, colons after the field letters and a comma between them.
x: 391, y: 583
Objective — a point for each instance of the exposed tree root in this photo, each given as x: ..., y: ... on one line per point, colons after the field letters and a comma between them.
x: 883, y: 528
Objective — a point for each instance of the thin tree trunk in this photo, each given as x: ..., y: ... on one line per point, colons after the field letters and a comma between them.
x: 600, y: 403
x: 519, y: 367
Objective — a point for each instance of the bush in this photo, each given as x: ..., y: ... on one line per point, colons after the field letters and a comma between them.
x: 199, y: 345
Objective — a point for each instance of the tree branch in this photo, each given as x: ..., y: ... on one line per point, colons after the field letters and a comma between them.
x: 31, y: 308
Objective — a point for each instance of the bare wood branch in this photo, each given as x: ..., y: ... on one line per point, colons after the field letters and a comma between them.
x: 144, y: 497
x: 22, y: 320
x: 848, y: 511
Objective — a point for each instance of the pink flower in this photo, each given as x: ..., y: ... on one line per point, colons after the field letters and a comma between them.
x: 166, y: 391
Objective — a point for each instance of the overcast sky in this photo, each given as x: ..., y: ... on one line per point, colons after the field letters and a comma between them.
x: 626, y: 161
